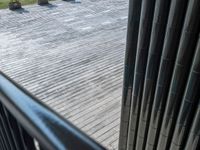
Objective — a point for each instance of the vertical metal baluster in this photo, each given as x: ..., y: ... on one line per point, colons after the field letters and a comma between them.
x: 3, y: 138
x: 146, y: 20
x: 27, y: 139
x: 170, y: 48
x: 1, y: 143
x: 15, y: 131
x: 188, y: 105
x: 40, y: 147
x: 6, y: 130
x: 181, y: 71
x: 155, y: 49
x: 1, y: 131
x: 132, y: 38
x: 193, y: 141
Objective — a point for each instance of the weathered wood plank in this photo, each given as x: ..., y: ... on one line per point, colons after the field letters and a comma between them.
x: 71, y: 57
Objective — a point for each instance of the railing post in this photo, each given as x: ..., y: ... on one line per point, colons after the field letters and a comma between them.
x: 131, y: 46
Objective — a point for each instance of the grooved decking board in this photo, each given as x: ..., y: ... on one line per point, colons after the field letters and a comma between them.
x: 71, y: 57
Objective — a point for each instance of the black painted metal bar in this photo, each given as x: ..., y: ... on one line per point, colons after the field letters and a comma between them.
x: 132, y: 38
x: 182, y: 67
x: 172, y: 83
x: 27, y: 139
x: 145, y: 26
x: 2, y: 140
x: 171, y: 43
x: 193, y: 141
x: 15, y: 133
x: 188, y: 106
x: 1, y: 143
x: 3, y: 134
x: 51, y: 130
x: 5, y: 130
x: 155, y: 50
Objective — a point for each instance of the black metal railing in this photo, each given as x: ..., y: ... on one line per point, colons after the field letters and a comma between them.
x: 161, y: 88
x: 27, y: 124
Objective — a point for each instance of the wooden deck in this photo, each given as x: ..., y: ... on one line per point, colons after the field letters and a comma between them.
x: 71, y: 57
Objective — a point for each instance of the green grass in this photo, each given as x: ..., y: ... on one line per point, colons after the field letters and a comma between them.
x: 4, y: 3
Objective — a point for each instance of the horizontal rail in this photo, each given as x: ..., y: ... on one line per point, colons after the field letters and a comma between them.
x: 42, y: 123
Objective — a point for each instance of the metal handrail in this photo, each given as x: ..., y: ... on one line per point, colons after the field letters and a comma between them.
x: 43, y: 124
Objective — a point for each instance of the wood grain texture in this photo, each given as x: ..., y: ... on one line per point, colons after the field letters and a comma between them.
x: 70, y: 55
